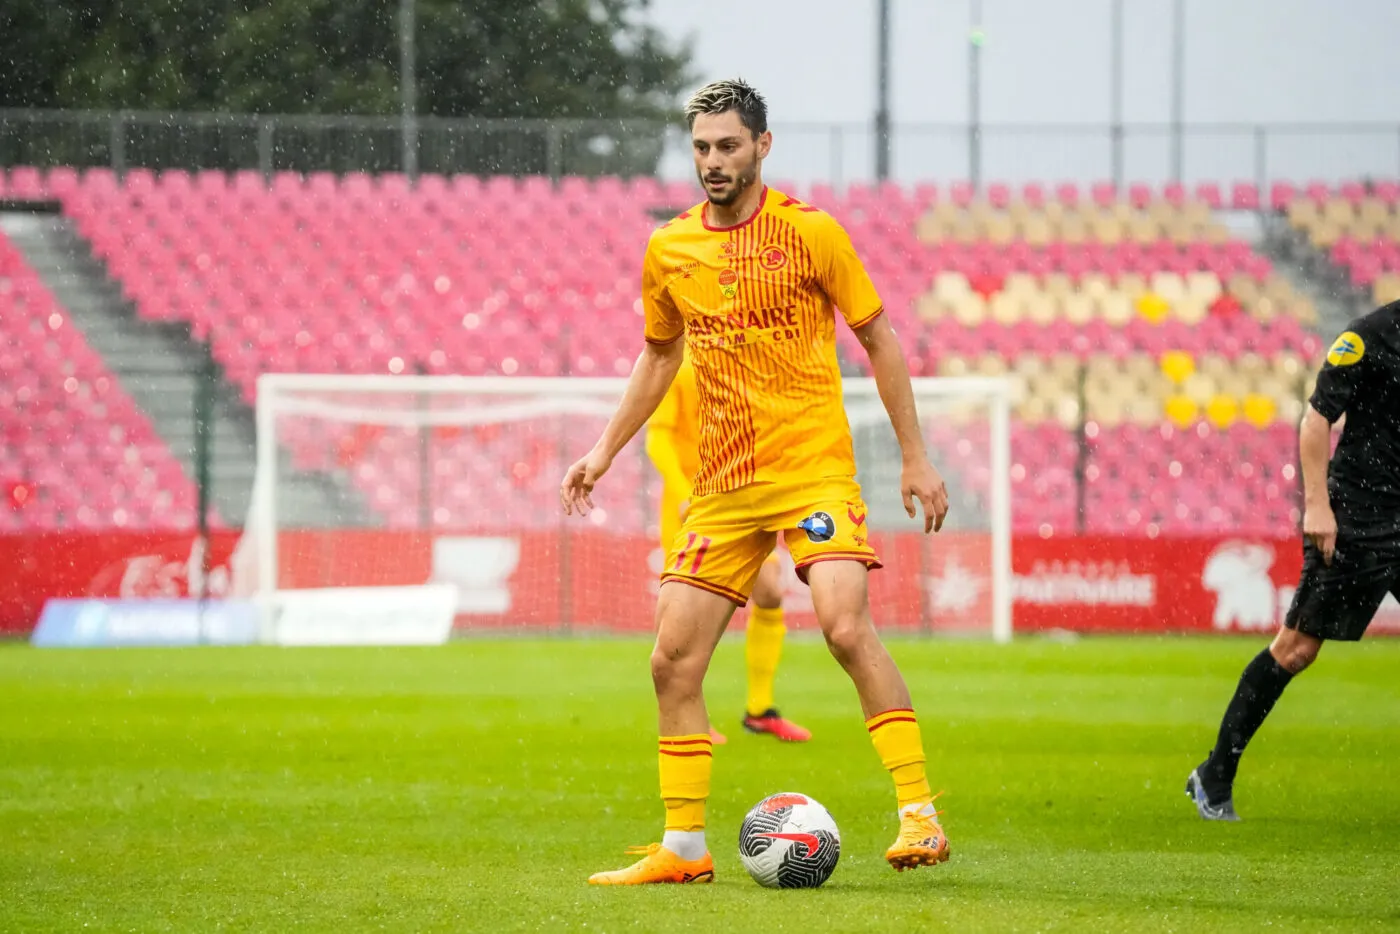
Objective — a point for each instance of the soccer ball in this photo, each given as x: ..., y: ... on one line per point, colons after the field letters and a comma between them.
x: 789, y: 841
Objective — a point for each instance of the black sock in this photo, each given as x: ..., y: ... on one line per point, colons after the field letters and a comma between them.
x: 1260, y: 686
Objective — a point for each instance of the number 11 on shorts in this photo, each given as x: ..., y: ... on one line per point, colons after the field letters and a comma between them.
x: 699, y: 553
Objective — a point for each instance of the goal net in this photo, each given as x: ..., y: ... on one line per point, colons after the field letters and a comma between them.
x: 401, y: 481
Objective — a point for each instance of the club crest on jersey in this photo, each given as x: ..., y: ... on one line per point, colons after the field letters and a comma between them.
x: 1347, y: 349
x: 819, y: 527
x: 772, y: 258
x: 728, y: 282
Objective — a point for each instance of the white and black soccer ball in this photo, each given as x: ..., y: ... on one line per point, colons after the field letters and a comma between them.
x: 789, y: 841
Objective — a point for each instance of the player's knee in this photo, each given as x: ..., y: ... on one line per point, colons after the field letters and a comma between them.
x: 846, y: 637
x: 768, y: 590
x: 674, y: 673
x: 1294, y: 651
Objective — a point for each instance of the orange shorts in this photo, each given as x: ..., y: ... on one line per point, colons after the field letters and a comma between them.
x: 726, y: 537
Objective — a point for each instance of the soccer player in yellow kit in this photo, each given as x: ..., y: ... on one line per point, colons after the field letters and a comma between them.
x: 673, y: 444
x: 752, y: 279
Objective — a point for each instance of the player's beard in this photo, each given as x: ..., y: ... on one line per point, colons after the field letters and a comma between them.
x: 739, y: 184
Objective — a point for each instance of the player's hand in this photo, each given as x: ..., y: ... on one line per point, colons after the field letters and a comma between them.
x: 684, y: 507
x: 920, y: 480
x: 1320, y: 528
x: 576, y: 492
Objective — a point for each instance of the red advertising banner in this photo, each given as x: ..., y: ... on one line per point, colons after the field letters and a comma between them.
x: 588, y: 579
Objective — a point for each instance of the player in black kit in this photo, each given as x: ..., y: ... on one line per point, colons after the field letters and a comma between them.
x: 1351, y: 537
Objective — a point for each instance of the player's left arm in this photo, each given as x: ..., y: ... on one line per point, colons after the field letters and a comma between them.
x: 918, y: 478
x: 842, y: 275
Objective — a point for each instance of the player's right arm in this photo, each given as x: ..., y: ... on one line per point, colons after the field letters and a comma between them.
x: 1337, y: 382
x: 651, y: 377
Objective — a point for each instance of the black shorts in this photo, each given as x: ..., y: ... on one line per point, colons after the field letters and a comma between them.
x: 1339, y: 601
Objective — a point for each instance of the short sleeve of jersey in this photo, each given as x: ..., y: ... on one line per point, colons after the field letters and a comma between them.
x: 1345, y: 368
x: 663, y: 320
x: 841, y: 274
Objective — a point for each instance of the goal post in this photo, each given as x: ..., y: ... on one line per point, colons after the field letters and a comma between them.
x: 395, y: 481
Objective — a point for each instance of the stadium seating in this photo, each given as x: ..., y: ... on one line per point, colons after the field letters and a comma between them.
x: 1132, y: 319
x: 1357, y: 226
x: 75, y: 452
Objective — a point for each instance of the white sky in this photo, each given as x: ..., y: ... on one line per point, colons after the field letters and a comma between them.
x: 1048, y: 61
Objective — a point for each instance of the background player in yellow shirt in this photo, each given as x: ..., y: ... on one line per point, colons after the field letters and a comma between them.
x: 673, y: 444
x: 753, y: 279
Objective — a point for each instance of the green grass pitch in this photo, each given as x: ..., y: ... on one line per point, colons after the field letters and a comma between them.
x: 473, y: 787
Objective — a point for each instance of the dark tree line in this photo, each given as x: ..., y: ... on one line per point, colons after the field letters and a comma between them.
x: 584, y: 59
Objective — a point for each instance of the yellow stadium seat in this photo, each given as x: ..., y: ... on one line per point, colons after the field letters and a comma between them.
x: 950, y: 285
x: 1058, y: 284
x: 1141, y: 229
x: 991, y: 365
x: 1199, y: 388
x: 1005, y: 308
x: 1078, y: 308
x: 1339, y: 211
x: 1252, y: 365
x: 1068, y: 412
x: 1107, y: 229
x: 1373, y: 211
x: 1178, y: 366
x: 1289, y: 366
x: 1140, y: 367
x: 1040, y: 308
x: 930, y: 229
x: 1030, y: 366
x: 1203, y: 285
x: 1385, y: 290
x: 1169, y: 285
x: 953, y: 366
x: 1215, y: 366
x: 1132, y: 284
x: 1181, y: 410
x: 1190, y: 310
x: 999, y: 229
x: 1036, y: 230
x: 1095, y: 284
x: 1325, y: 234
x: 1116, y: 309
x: 1259, y: 410
x: 1153, y: 307
x: 1222, y: 411
x: 1303, y: 213
x: 970, y: 310
x: 929, y: 308
x: 1143, y: 410
x: 1032, y: 410
x: 1066, y: 366
x: 1073, y: 229
x: 1020, y: 283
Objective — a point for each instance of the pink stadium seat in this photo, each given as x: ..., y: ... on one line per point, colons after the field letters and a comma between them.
x: 1244, y: 196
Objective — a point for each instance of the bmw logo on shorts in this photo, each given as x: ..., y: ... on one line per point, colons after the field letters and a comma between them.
x: 819, y: 527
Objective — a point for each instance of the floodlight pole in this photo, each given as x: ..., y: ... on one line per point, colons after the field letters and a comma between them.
x: 882, y: 85
x: 1178, y: 87
x: 1115, y: 89
x: 408, y: 86
x: 974, y: 96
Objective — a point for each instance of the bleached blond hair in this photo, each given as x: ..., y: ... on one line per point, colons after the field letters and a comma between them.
x: 734, y: 94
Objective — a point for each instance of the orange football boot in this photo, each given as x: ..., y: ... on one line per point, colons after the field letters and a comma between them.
x: 921, y: 841
x: 658, y: 864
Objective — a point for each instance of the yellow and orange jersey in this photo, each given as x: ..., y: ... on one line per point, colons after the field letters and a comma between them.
x: 756, y: 304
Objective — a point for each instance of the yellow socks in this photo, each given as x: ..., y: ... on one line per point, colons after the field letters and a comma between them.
x: 763, y: 647
x: 895, y: 734
x: 685, y: 780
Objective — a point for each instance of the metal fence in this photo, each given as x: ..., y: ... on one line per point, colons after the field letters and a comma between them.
x: 837, y: 153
